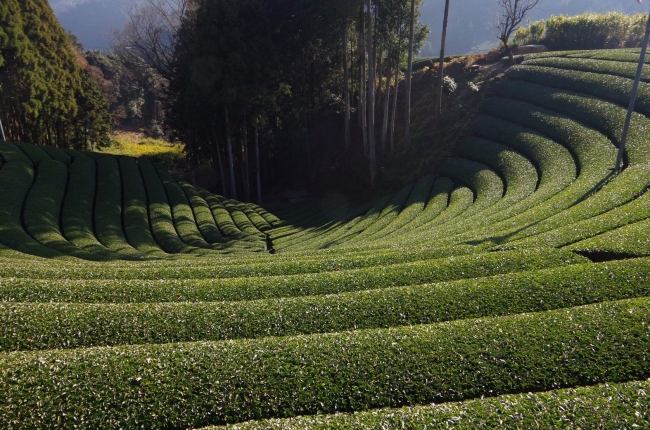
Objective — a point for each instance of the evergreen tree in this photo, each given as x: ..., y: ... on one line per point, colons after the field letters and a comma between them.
x: 43, y: 88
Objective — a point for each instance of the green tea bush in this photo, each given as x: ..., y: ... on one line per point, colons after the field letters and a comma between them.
x: 130, y: 290
x: 36, y: 154
x: 66, y: 325
x: 43, y: 208
x: 108, y: 208
x: 57, y: 154
x: 135, y: 208
x: 16, y: 176
x: 256, y: 219
x: 629, y: 240
x: 619, y: 405
x: 413, y: 207
x: 201, y: 383
x: 160, y: 215
x: 239, y: 217
x: 488, y: 187
x: 181, y: 210
x: 224, y: 219
x: 387, y: 215
x: 204, y: 219
x: 78, y: 205
x: 440, y: 197
x: 518, y: 175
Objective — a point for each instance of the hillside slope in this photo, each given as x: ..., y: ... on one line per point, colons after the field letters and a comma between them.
x: 512, y: 286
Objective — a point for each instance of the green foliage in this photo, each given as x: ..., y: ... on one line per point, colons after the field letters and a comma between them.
x: 586, y: 31
x: 108, y: 207
x: 54, y: 325
x: 195, y: 383
x: 606, y: 405
x: 160, y: 212
x: 200, y: 287
x: 136, y: 213
x: 46, y: 94
x: 16, y: 176
x: 363, y: 306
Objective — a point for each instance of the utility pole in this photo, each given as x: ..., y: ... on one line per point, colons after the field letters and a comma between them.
x: 633, y: 95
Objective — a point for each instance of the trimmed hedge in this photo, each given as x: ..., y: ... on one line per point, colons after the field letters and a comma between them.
x: 627, y: 185
x: 487, y: 186
x: 160, y: 215
x: 108, y: 208
x: 388, y: 215
x: 239, y: 217
x: 611, y: 68
x: 57, y: 154
x: 181, y: 210
x: 199, y: 383
x: 222, y: 216
x: 256, y: 219
x: 78, y: 208
x: 235, y: 289
x: 607, y: 87
x: 436, y: 204
x: 36, y: 154
x: 348, y: 230
x: 629, y: 240
x: 553, y: 162
x: 16, y: 178
x: 204, y: 219
x: 223, y: 267
x: 622, y: 405
x: 27, y: 326
x: 413, y: 207
x: 42, y: 210
x: 135, y: 208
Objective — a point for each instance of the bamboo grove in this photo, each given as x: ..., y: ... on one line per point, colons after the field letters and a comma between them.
x: 47, y: 96
x: 254, y: 82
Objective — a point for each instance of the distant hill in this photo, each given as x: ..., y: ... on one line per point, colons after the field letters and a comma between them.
x: 470, y: 21
x: 92, y: 21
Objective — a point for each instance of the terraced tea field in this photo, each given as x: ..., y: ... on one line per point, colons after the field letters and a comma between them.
x: 509, y: 289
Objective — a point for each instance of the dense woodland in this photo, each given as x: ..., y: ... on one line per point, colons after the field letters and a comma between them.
x: 261, y: 91
x: 47, y: 96
x: 284, y: 74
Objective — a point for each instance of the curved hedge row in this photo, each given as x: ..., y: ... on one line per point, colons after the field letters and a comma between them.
x: 619, y: 405
x: 22, y: 289
x: 199, y: 383
x: 66, y: 325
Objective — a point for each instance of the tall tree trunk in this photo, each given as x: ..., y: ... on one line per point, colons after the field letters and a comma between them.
x: 384, y: 126
x: 409, y: 73
x: 244, y: 152
x: 362, y: 80
x: 346, y: 84
x: 394, y: 114
x: 441, y: 68
x: 222, y: 172
x: 371, y: 98
x: 257, y: 167
x: 231, y: 161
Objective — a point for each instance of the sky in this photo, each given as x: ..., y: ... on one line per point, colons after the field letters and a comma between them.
x: 471, y: 22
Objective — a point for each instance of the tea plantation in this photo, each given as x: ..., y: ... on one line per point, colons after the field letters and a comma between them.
x: 509, y: 289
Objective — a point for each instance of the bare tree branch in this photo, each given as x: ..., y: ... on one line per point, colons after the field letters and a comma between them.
x: 512, y: 13
x: 150, y: 32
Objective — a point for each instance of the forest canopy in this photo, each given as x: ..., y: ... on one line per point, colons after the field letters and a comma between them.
x: 46, y: 93
x: 279, y: 70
